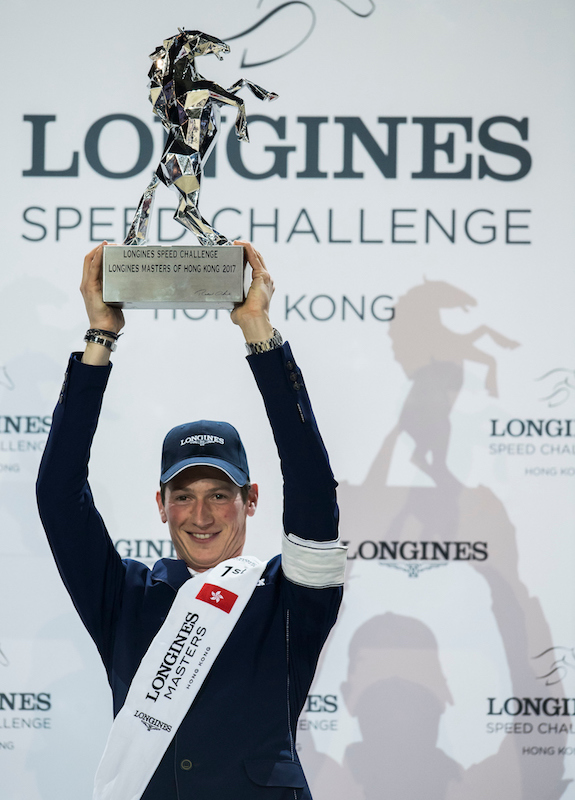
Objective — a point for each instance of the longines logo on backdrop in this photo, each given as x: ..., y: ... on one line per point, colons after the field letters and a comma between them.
x: 555, y: 664
x: 530, y: 437
x: 255, y: 55
x: 533, y: 428
x: 551, y: 436
x: 553, y: 710
x: 413, y: 568
x: 147, y: 549
x: 24, y: 424
x: 18, y: 703
x: 25, y: 701
x: 395, y: 226
x: 335, y: 145
x: 532, y: 706
x: 318, y: 713
x: 416, y: 557
x: 432, y: 130
x: 559, y: 384
x: 411, y: 557
x: 31, y: 428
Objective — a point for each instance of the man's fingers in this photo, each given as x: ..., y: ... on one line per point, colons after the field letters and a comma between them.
x: 88, y: 258
x: 92, y: 266
x: 88, y: 261
x: 255, y: 258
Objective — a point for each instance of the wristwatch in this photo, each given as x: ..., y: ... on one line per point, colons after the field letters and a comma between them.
x: 263, y: 347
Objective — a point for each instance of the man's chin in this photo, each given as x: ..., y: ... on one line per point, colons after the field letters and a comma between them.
x: 201, y: 564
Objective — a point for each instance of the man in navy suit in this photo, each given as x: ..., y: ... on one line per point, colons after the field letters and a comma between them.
x: 237, y: 740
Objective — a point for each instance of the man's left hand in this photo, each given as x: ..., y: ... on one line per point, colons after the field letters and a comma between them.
x: 253, y: 314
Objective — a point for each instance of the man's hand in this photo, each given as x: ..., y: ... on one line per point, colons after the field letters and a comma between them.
x: 100, y: 315
x: 253, y: 314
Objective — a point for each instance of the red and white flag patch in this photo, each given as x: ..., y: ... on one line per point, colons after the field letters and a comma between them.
x: 218, y: 597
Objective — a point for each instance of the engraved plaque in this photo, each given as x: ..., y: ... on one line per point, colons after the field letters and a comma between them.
x: 148, y: 276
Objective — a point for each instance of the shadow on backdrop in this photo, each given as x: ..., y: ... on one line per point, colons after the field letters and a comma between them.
x: 395, y: 687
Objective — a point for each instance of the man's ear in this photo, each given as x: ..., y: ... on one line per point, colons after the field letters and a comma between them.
x: 161, y: 508
x: 252, y: 503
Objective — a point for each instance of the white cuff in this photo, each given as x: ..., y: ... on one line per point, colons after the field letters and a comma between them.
x: 314, y: 564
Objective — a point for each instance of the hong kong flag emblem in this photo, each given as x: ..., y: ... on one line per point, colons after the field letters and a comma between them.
x: 218, y: 597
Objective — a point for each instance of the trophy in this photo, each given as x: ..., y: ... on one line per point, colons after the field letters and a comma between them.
x: 211, y: 275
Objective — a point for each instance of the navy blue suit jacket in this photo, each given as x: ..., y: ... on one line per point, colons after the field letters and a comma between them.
x: 237, y: 742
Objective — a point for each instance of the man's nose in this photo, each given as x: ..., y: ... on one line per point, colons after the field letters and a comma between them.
x: 202, y: 516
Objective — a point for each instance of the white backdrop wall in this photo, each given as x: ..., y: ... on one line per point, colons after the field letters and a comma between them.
x: 412, y: 191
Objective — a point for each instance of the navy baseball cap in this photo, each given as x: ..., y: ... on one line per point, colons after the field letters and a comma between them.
x: 205, y: 443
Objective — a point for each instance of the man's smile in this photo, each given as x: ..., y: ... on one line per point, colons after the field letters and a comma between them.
x: 206, y: 513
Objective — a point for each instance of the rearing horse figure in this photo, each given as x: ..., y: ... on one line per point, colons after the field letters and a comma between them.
x: 189, y: 108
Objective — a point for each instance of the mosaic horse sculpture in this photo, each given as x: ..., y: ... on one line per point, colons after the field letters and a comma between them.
x: 189, y: 108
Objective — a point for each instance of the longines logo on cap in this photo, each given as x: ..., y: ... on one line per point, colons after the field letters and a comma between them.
x: 202, y: 439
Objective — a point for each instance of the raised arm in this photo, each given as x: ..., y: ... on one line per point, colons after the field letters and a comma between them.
x: 100, y: 316
x: 88, y: 563
x: 310, y: 508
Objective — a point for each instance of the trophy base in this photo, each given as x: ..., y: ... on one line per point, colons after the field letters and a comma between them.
x: 155, y: 276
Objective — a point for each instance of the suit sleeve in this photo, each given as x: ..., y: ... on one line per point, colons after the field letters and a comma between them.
x: 311, y: 553
x: 91, y: 569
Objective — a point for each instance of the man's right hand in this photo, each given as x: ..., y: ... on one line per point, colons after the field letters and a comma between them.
x: 100, y: 315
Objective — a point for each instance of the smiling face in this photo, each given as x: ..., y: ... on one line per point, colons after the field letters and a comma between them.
x: 206, y: 516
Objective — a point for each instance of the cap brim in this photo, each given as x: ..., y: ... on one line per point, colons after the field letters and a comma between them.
x: 236, y: 475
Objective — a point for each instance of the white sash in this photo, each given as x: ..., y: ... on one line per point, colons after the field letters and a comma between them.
x: 171, y: 673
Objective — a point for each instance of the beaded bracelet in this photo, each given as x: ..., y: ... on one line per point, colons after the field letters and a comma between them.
x: 101, y: 332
